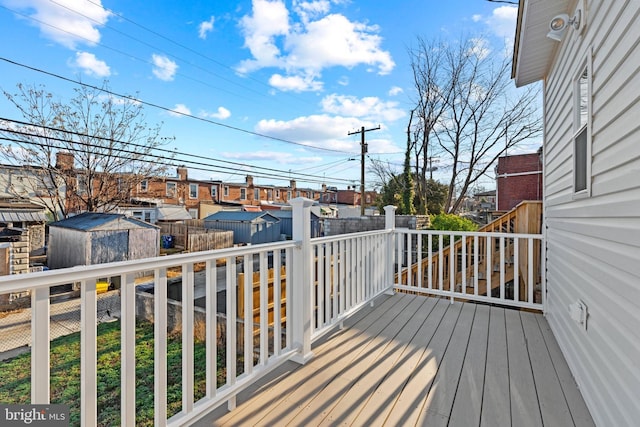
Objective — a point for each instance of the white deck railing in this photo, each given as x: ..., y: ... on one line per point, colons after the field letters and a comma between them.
x: 293, y: 293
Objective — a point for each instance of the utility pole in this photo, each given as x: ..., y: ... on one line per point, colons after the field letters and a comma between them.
x: 431, y: 168
x: 363, y: 151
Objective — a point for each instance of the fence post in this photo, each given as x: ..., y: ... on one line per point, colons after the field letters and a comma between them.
x: 390, y: 224
x: 300, y: 300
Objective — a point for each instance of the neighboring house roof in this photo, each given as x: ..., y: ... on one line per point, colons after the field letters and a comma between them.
x: 533, y: 51
x: 91, y: 221
x: 172, y: 213
x: 486, y: 194
x: 19, y: 215
x: 240, y: 216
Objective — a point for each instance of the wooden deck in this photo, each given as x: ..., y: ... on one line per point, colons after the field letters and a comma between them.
x: 414, y: 360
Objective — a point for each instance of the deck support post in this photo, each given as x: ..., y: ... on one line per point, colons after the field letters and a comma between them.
x: 301, y: 301
x: 389, y: 224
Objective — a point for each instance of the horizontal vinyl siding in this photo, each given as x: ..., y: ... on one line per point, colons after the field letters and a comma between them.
x: 593, y: 244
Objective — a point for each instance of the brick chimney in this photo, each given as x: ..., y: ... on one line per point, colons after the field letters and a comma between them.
x: 182, y: 173
x: 64, y: 161
x: 292, y: 184
x: 249, y: 180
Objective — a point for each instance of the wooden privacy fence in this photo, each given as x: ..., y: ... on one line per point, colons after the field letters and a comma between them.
x: 255, y: 297
x: 196, y: 239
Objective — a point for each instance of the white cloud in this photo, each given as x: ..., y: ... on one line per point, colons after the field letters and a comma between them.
x: 58, y: 21
x: 370, y: 107
x: 502, y: 21
x: 91, y: 65
x: 480, y: 47
x: 269, y: 20
x: 164, y: 68
x: 180, y: 110
x: 317, y: 130
x: 310, y: 41
x: 343, y: 81
x: 295, y: 83
x: 395, y: 90
x: 284, y: 158
x: 222, y: 114
x: 206, y: 27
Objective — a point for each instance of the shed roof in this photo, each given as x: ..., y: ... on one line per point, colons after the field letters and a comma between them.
x: 240, y: 216
x: 172, y: 213
x: 22, y: 215
x: 91, y: 221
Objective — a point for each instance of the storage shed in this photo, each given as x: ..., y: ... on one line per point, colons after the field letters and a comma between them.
x: 247, y: 227
x: 286, y: 223
x: 97, y: 238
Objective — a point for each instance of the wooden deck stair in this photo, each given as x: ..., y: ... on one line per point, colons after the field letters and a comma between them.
x: 526, y: 218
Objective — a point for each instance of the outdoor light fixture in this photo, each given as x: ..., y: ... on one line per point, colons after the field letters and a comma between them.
x: 560, y: 23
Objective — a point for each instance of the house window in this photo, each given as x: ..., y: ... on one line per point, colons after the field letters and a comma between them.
x: 144, y: 185
x: 288, y: 195
x: 297, y: 194
x: 582, y: 135
x: 277, y: 194
x: 193, y: 213
x: 256, y: 194
x: 171, y: 189
x: 243, y: 194
x: 269, y: 194
x: 81, y: 182
x: 226, y: 191
x: 193, y: 191
x: 214, y: 192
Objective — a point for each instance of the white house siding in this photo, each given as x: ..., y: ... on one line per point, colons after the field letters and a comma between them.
x: 594, y: 243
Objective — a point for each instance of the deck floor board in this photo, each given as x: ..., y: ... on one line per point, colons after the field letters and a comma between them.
x: 413, y: 360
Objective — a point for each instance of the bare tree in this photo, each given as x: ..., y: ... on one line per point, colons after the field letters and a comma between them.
x: 87, y: 154
x: 469, y: 111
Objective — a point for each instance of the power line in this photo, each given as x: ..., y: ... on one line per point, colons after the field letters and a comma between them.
x: 133, y: 144
x: 199, y: 165
x: 150, y: 104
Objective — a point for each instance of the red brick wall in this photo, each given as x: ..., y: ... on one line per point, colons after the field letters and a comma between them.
x: 518, y: 178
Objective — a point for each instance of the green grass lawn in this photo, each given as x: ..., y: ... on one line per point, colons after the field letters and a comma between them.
x: 15, y: 374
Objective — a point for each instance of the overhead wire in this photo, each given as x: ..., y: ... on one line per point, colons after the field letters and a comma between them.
x: 199, y: 165
x: 151, y: 104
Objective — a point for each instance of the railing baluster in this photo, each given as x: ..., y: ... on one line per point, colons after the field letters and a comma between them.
x: 232, y: 334
x: 464, y: 264
x: 530, y: 271
x: 318, y: 294
x: 128, y: 351
x: 476, y: 262
x: 516, y: 271
x: 211, y: 309
x: 264, y: 309
x: 453, y: 258
x: 160, y: 346
x: 277, y: 302
x: 40, y: 347
x: 502, y: 266
x: 440, y: 262
x: 248, y: 314
x: 187, y: 337
x: 88, y: 353
x: 489, y: 266
x: 430, y: 261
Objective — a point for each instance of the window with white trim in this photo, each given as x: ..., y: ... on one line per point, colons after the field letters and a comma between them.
x: 214, y: 191
x: 144, y: 185
x: 243, y: 194
x: 171, y: 189
x: 582, y: 132
x: 193, y: 191
x: 226, y: 191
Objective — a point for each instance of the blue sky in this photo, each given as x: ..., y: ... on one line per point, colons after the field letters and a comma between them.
x: 308, y: 72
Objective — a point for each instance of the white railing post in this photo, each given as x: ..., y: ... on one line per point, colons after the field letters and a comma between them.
x: 300, y: 301
x: 390, y: 224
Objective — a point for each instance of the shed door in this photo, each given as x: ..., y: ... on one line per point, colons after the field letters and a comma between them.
x: 109, y: 246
